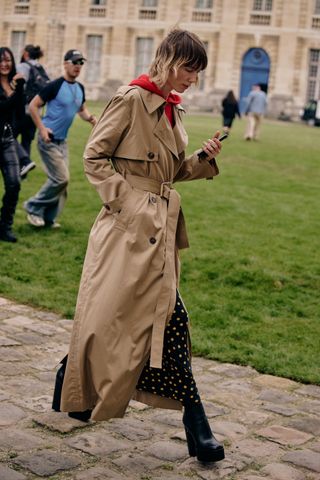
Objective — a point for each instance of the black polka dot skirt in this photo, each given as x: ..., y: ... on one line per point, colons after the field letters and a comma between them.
x: 175, y: 379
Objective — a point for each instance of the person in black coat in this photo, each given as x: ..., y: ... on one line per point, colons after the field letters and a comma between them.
x: 11, y: 108
x: 230, y: 108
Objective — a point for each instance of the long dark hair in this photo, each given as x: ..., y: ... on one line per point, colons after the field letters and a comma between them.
x: 230, y: 97
x: 13, y: 70
x: 34, y: 52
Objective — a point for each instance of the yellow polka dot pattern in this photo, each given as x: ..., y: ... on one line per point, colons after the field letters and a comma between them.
x: 175, y: 379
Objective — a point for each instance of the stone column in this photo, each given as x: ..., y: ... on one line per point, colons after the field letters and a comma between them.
x: 226, y: 46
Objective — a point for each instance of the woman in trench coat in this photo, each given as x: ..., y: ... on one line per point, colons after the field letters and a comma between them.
x: 130, y: 335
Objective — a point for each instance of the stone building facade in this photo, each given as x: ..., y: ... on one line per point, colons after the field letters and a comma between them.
x: 273, y: 42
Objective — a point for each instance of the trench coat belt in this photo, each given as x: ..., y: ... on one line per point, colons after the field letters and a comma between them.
x: 166, y: 298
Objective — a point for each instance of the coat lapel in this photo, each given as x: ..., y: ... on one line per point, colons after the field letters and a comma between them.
x: 162, y: 130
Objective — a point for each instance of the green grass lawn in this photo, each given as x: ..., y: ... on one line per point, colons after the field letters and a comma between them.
x: 252, y: 276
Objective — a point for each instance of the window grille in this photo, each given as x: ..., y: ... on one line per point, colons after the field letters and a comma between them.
x: 21, y: 7
x: 18, y: 41
x: 313, y: 89
x: 93, y: 64
x: 144, y: 51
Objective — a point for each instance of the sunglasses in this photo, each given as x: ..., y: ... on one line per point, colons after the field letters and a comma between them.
x: 76, y: 62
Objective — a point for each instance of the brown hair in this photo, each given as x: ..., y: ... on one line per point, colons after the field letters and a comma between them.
x: 179, y: 48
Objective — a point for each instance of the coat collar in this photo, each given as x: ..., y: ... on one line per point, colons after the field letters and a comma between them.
x: 174, y: 139
x: 151, y: 100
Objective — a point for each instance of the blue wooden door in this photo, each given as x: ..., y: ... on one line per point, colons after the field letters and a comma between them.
x: 255, y: 69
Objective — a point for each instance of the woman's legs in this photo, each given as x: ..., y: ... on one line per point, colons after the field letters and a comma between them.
x: 9, y: 164
x: 175, y: 380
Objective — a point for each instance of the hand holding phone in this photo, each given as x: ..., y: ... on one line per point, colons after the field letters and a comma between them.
x: 203, y: 155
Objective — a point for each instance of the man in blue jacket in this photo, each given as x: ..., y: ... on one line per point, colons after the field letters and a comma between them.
x: 256, y: 108
x: 64, y: 98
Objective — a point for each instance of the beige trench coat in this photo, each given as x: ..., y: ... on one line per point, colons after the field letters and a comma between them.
x: 131, y: 269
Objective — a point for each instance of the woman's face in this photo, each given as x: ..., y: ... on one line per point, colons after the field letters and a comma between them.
x: 5, y: 64
x: 184, y: 78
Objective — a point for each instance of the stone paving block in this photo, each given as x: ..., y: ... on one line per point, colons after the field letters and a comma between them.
x: 172, y: 419
x: 136, y: 463
x: 284, y: 435
x: 5, y: 301
x: 251, y: 417
x: 3, y: 395
x: 7, y: 473
x: 180, y: 435
x: 59, y: 422
x: 8, y: 342
x: 100, y: 473
x: 17, y: 440
x: 140, y: 407
x: 36, y: 404
x: 280, y: 471
x: 44, y: 329
x: 275, y: 396
x: 275, y: 382
x: 9, y: 354
x: 238, y: 387
x: 217, y: 470
x: 213, y: 410
x: 28, y: 338
x: 132, y: 429
x: 97, y: 443
x: 228, y: 429
x: 46, y: 462
x: 10, y: 414
x: 304, y: 458
x: 9, y: 369
x: 19, y: 321
x: 234, y: 371
x: 257, y: 450
x: 310, y: 425
x: 312, y: 406
x: 23, y: 386
x: 168, y: 451
x: 280, y: 409
x: 315, y: 446
x: 311, y: 390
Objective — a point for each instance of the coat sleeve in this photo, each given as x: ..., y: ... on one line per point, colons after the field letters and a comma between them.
x: 103, y: 141
x: 192, y: 168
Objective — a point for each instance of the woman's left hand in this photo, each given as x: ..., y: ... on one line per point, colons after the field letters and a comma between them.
x: 212, y: 146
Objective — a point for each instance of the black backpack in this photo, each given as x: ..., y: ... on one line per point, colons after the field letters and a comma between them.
x: 38, y: 79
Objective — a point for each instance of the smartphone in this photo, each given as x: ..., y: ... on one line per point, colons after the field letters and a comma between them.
x: 202, y: 155
x: 50, y: 135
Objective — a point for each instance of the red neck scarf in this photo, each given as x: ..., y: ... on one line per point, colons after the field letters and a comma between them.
x: 172, y: 99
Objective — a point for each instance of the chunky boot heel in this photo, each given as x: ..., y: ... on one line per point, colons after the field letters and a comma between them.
x: 58, y: 385
x: 191, y: 444
x: 201, y: 442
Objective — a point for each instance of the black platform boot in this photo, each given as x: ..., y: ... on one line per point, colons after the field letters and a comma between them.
x: 83, y: 416
x: 201, y: 442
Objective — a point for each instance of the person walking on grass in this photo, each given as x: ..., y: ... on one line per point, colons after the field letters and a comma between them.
x: 36, y: 79
x: 130, y: 337
x: 11, y: 107
x: 230, y: 108
x: 255, y: 110
x: 64, y: 98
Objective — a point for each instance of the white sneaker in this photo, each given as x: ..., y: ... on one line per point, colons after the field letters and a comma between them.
x: 35, y: 220
x: 26, y: 169
x: 53, y: 225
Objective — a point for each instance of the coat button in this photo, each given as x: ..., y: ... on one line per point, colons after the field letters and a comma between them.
x: 152, y: 240
x: 153, y: 199
x: 150, y: 155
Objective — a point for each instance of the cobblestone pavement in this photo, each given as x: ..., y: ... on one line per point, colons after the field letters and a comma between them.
x: 270, y: 426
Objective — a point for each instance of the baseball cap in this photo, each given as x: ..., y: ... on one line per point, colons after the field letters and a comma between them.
x: 73, y: 55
